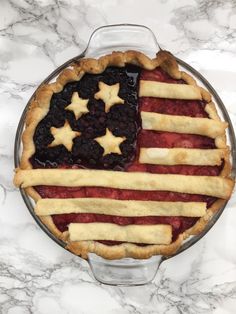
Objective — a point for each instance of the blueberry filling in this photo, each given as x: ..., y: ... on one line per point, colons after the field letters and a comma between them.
x: 122, y: 120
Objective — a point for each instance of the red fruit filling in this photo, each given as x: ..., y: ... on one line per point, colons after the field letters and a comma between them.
x: 191, y: 108
x: 158, y: 75
x: 145, y: 138
x: 170, y: 140
x: 179, y: 224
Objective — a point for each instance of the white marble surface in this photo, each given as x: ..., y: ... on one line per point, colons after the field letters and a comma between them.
x: 36, y: 275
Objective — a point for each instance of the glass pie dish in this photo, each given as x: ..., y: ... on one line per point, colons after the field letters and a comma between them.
x: 126, y: 271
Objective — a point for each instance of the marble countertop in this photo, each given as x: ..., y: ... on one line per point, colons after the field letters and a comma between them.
x: 38, y: 276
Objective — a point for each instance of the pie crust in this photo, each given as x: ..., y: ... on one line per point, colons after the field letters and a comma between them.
x: 147, y: 234
x: 48, y: 206
x: 202, y: 126
x: 183, y: 156
x: 206, y: 185
x: 109, y: 94
x: 220, y: 187
x: 168, y: 90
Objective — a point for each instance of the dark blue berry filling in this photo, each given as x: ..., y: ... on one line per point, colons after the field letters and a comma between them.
x: 122, y: 120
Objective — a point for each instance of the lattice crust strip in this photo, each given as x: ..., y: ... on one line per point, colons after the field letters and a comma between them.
x: 206, y: 185
x: 168, y: 90
x: 125, y: 208
x: 148, y: 234
x: 182, y: 156
x: 181, y: 124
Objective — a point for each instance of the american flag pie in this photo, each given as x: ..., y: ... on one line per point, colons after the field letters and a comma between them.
x: 125, y: 156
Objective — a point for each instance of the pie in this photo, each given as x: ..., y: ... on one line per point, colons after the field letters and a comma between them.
x: 125, y: 156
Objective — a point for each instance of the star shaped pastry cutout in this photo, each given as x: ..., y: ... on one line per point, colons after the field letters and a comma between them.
x: 64, y: 136
x: 110, y: 143
x: 78, y: 105
x: 109, y: 94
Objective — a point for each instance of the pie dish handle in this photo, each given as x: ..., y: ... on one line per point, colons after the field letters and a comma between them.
x: 123, y: 37
x: 126, y: 271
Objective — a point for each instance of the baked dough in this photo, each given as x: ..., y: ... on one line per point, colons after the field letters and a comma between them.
x: 63, y: 136
x: 182, y: 124
x: 127, y: 208
x: 206, y: 185
x: 109, y: 95
x: 168, y: 90
x: 78, y: 105
x: 110, y: 143
x: 149, y: 234
x: 182, y: 156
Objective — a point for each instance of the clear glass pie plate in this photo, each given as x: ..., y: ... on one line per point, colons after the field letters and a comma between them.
x: 104, y: 40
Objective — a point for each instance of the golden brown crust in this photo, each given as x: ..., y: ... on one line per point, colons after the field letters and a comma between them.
x: 109, y: 95
x: 124, y: 208
x: 182, y: 156
x: 147, y: 234
x: 169, y: 90
x: 82, y: 248
x: 206, y: 185
x: 110, y: 143
x: 39, y: 108
x: 203, y: 221
x: 182, y: 124
x: 63, y: 135
x: 47, y: 220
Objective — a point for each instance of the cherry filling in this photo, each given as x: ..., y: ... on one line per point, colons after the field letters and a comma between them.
x: 179, y: 224
x: 191, y: 108
x: 170, y: 140
x: 122, y: 120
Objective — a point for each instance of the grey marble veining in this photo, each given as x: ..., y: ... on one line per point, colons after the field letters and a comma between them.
x: 36, y: 275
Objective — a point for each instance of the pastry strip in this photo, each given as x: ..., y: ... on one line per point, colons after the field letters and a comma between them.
x: 182, y: 124
x: 206, y: 185
x: 126, y: 208
x: 182, y: 156
x: 168, y: 90
x: 149, y: 234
